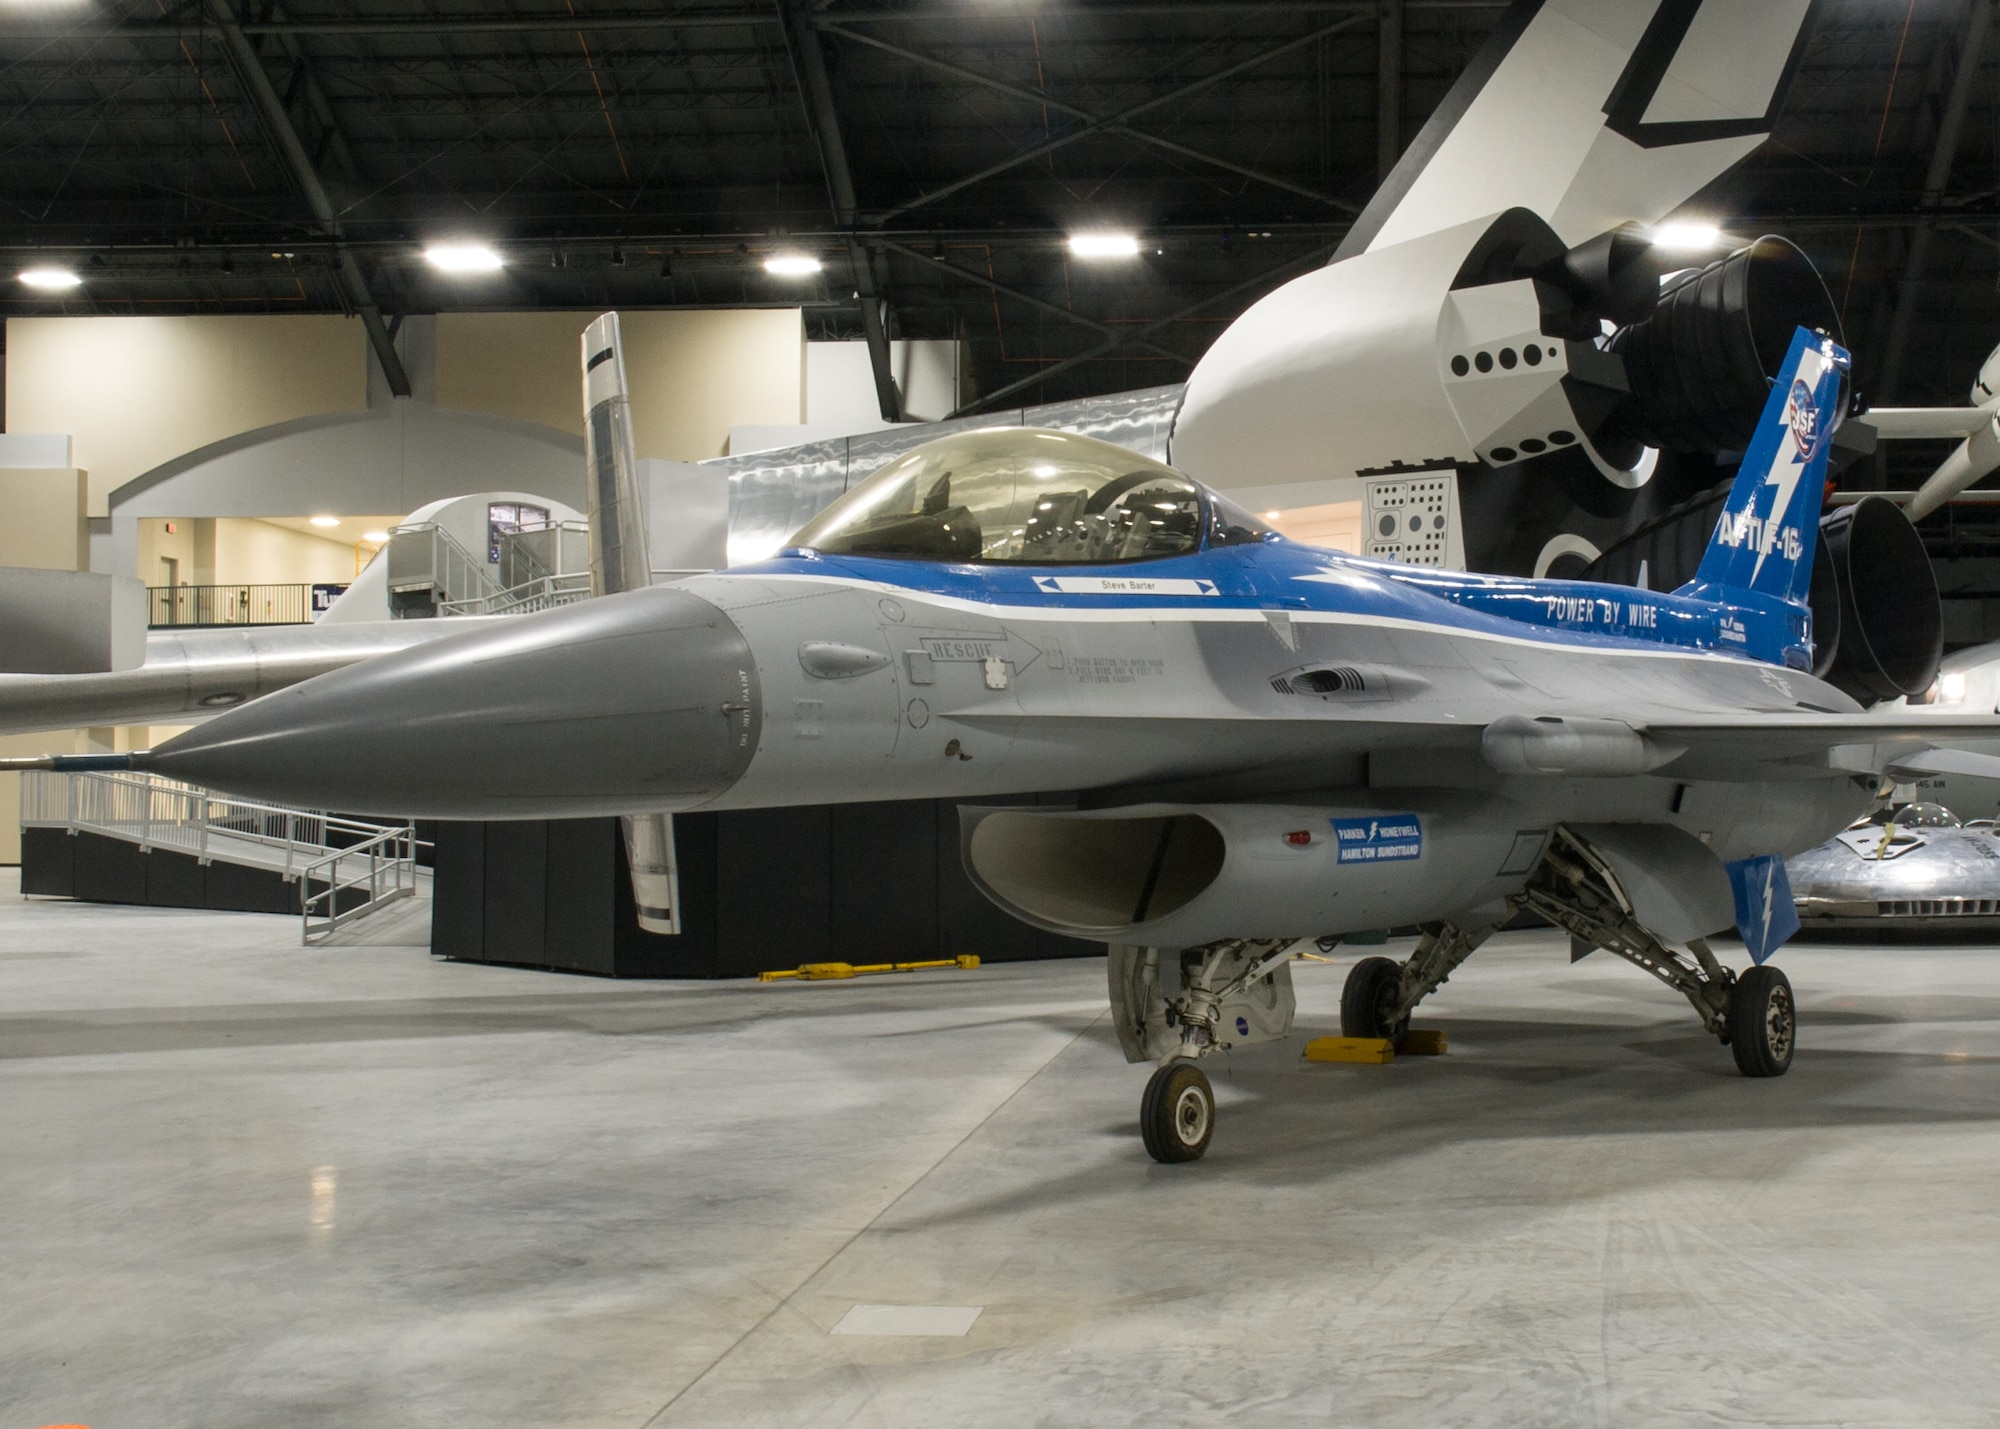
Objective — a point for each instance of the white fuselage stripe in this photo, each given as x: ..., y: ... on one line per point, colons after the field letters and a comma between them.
x: 1192, y: 611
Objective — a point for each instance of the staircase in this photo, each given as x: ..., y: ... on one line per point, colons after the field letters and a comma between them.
x: 428, y: 570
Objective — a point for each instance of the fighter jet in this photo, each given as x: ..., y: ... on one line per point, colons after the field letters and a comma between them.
x: 1273, y: 743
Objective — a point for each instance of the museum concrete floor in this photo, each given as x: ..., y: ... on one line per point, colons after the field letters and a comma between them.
x: 246, y: 1184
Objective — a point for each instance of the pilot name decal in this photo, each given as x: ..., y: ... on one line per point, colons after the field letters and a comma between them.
x: 1392, y: 838
x: 1122, y: 585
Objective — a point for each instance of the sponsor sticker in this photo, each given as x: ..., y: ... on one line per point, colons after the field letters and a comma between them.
x: 1122, y: 585
x: 1389, y: 838
x: 1803, y: 417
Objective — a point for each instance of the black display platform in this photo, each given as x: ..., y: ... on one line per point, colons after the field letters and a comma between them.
x: 760, y: 891
x: 56, y: 863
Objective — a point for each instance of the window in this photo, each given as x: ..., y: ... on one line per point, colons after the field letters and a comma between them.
x: 504, y: 518
x: 1015, y: 495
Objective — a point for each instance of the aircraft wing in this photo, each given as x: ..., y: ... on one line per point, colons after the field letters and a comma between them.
x: 1307, y: 753
x: 194, y: 673
x: 1736, y: 746
x: 1926, y: 423
x: 1593, y: 113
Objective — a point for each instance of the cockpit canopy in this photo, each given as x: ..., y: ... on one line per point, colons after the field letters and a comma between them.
x: 1018, y: 495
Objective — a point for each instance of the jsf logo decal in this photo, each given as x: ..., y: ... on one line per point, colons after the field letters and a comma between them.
x: 1390, y: 838
x: 1804, y: 419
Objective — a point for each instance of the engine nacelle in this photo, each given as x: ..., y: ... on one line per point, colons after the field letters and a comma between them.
x: 1699, y: 366
x: 1878, y: 625
x: 1183, y: 875
x: 1486, y: 344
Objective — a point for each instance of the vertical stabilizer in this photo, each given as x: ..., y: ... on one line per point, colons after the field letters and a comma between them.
x: 1593, y: 113
x: 619, y: 562
x: 618, y: 556
x: 1763, y: 543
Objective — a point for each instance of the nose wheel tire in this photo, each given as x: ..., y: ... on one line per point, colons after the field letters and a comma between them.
x: 1177, y: 1114
x: 1371, y: 987
x: 1763, y: 1023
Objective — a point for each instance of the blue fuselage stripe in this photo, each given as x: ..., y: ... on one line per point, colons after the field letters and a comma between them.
x: 1281, y: 575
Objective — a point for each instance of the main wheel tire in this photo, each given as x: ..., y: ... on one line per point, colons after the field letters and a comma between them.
x: 1763, y: 1023
x: 1372, y: 985
x: 1177, y: 1114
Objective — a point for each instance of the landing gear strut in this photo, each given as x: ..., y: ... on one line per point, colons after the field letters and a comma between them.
x: 1753, y: 1016
x: 1238, y: 991
x: 1381, y: 993
x: 1233, y: 992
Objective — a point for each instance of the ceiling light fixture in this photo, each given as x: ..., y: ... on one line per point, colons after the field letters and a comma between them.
x: 50, y: 280
x: 1103, y: 245
x: 1686, y: 237
x: 792, y: 265
x: 463, y: 258
x: 326, y: 520
x: 378, y: 537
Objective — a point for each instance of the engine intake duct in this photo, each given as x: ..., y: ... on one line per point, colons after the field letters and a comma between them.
x: 1700, y: 366
x: 1876, y: 616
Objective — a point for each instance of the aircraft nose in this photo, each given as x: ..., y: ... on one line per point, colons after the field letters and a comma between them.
x: 631, y: 703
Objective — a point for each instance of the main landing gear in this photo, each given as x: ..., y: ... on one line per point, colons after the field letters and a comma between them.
x: 1754, y: 1015
x: 1381, y: 993
x: 1239, y: 991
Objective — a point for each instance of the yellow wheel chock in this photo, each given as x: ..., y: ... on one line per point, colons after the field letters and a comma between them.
x: 825, y: 972
x: 1376, y: 1051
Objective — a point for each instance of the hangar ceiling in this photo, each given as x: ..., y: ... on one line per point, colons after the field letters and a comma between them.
x: 294, y: 155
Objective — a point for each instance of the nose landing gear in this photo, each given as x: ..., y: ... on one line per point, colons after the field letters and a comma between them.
x: 1227, y: 994
x: 1177, y: 1114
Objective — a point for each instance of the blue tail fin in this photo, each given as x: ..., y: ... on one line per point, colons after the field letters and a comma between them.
x: 1764, y: 541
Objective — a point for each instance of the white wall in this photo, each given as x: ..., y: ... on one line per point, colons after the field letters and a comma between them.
x: 359, y: 465
x: 840, y: 394
x: 137, y: 391
x: 693, y: 375
x: 259, y: 553
x: 687, y: 515
x: 1335, y: 525
x: 840, y: 382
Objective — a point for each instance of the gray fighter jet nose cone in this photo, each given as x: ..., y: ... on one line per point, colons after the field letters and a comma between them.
x: 645, y: 701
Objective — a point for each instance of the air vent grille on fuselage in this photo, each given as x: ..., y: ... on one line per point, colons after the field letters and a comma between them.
x: 1326, y: 680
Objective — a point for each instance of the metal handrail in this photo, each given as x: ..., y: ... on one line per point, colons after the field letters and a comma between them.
x: 448, y: 567
x: 159, y: 813
x: 156, y: 812
x: 391, y: 874
x: 181, y: 607
x: 542, y: 593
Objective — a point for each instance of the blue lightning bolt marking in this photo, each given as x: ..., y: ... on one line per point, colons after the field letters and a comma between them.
x: 1785, y: 475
